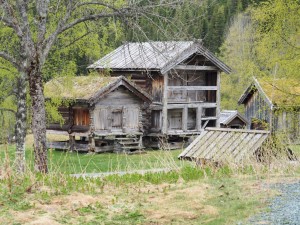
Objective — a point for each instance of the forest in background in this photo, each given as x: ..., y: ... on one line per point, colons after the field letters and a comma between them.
x: 253, y: 37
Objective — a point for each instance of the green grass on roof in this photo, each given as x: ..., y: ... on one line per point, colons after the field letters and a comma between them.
x: 81, y: 87
x: 281, y: 91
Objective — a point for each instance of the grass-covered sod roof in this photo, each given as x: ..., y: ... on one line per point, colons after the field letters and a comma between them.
x: 81, y: 87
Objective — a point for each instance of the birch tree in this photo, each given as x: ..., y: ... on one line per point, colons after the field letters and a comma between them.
x: 37, y: 25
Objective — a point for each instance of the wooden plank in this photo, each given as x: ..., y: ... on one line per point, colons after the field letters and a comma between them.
x: 61, y: 145
x: 243, y: 145
x: 250, y: 145
x: 193, y: 67
x: 211, y: 138
x: 228, y: 153
x: 230, y: 140
x: 191, y: 105
x: 192, y: 88
x: 198, y: 118
x: 214, y: 146
x: 185, y: 153
x: 218, y: 100
x: 201, y: 142
x: 184, y: 118
x: 220, y: 145
x: 237, y: 130
x: 165, y: 105
x: 209, y: 118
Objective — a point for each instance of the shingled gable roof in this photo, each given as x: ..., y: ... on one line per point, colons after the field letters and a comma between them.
x: 90, y: 88
x: 226, y: 116
x: 155, y: 56
x: 276, y: 92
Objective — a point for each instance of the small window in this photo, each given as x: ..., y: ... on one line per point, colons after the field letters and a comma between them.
x: 81, y: 117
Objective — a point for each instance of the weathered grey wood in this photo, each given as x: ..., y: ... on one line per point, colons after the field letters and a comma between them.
x: 60, y: 145
x: 209, y: 118
x: 218, y: 98
x: 165, y: 105
x: 184, y: 118
x: 191, y: 105
x: 175, y: 119
x: 72, y: 142
x: 120, y: 95
x: 199, y: 118
x: 192, y: 88
x: 206, y: 144
x: 91, y: 144
x: 238, y: 130
x: 192, y: 145
x: 192, y: 67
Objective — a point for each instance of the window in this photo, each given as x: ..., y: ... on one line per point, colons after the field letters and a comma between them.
x: 81, y: 117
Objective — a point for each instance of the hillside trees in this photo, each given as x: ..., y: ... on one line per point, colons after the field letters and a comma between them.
x: 264, y: 41
x: 37, y: 26
x: 207, y: 20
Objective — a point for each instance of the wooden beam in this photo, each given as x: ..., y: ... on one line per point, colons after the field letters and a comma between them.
x: 165, y: 105
x: 192, y: 88
x: 192, y: 105
x: 198, y: 118
x: 184, y: 118
x: 218, y: 98
x: 192, y: 67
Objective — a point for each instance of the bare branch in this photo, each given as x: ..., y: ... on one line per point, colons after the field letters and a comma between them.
x: 284, y: 91
x: 42, y: 10
x: 77, y: 39
x: 10, y: 19
x: 8, y: 110
x: 92, y: 17
x: 10, y: 59
x: 47, y: 43
x: 6, y: 68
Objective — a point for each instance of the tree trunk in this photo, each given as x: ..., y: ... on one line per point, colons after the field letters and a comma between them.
x: 21, y: 119
x: 38, y: 118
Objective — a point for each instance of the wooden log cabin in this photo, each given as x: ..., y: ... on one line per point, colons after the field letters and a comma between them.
x: 107, y: 113
x: 182, y: 80
x: 273, y: 104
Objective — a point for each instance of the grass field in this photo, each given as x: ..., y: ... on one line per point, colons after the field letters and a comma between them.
x: 186, y: 195
x: 73, y: 162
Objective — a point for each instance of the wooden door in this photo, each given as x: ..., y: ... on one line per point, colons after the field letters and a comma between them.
x: 102, y: 119
x: 131, y: 118
x: 117, y: 119
x: 175, y: 119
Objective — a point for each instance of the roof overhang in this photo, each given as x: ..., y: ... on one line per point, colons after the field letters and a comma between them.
x: 252, y: 88
x: 121, y: 81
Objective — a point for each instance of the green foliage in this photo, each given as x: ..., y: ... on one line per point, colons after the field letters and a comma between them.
x: 207, y: 20
x: 262, y: 42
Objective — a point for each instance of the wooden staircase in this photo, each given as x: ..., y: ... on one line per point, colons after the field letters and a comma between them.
x: 129, y: 144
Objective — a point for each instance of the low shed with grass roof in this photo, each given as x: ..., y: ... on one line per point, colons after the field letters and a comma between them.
x: 97, y: 108
x: 273, y: 104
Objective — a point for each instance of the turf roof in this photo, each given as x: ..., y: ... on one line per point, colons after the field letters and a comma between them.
x: 80, y: 87
x: 281, y: 91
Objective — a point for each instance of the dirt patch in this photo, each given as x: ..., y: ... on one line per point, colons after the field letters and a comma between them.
x: 185, y: 203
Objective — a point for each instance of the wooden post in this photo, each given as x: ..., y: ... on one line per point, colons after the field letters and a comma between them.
x: 184, y: 118
x: 165, y: 105
x: 72, y: 143
x: 91, y: 144
x: 218, y: 98
x: 199, y: 118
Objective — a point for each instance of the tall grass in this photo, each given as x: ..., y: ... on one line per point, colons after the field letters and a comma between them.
x: 62, y: 165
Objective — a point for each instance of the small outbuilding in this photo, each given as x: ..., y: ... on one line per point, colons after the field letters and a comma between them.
x: 273, y: 104
x: 98, y: 108
x: 232, y: 119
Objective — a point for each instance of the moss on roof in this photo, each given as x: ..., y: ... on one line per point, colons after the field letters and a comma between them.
x: 281, y: 91
x: 81, y: 87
